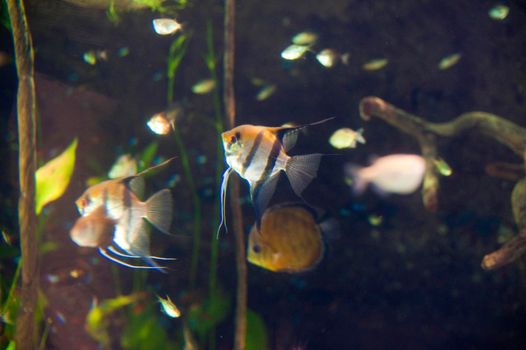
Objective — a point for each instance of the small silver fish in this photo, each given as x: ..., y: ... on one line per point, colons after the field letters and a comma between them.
x: 169, y: 307
x: 305, y: 38
x: 329, y: 57
x: 346, y: 138
x: 449, y: 61
x: 293, y: 52
x: 203, y: 86
x: 166, y: 26
x: 375, y: 64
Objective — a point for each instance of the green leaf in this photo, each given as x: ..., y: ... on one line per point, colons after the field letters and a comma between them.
x: 97, y: 320
x: 147, y: 155
x: 210, y: 312
x: 4, y: 16
x: 144, y: 330
x: 52, y: 178
x: 257, y: 338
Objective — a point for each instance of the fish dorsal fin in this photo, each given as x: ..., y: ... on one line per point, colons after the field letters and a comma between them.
x: 289, y: 139
x: 261, y: 192
x: 289, y: 135
x: 155, y: 167
x: 136, y: 185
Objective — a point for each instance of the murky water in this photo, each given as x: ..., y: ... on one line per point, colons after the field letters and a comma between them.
x: 395, y: 275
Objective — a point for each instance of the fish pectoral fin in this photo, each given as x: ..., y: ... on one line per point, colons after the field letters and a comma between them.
x: 301, y: 170
x: 261, y: 192
x: 224, y: 184
x: 159, y: 210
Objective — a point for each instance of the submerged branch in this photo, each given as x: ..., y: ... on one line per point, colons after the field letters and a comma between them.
x: 426, y: 133
x: 230, y: 112
x: 26, y: 107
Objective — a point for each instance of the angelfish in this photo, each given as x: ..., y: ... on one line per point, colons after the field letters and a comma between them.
x: 258, y: 154
x: 112, y: 219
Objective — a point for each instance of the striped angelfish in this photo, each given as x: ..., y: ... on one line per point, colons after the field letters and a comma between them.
x: 113, y: 219
x: 258, y: 154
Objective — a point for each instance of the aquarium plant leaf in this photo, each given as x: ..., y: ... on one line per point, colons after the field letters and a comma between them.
x: 4, y: 16
x: 147, y: 155
x: 175, y: 56
x: 204, y: 316
x: 97, y: 320
x: 257, y: 338
x: 52, y: 178
x: 144, y: 329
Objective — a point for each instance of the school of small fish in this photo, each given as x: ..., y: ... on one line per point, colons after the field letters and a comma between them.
x: 285, y: 237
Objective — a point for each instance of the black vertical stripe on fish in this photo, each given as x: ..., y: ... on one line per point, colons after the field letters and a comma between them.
x: 271, y: 161
x: 265, y: 186
x: 252, y: 153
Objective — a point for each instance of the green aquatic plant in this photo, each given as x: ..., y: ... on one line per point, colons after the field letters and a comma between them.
x: 175, y: 55
x: 4, y: 17
x: 257, y: 335
x: 98, y: 318
x: 53, y: 178
x: 143, y: 328
x: 426, y: 133
x: 210, y: 60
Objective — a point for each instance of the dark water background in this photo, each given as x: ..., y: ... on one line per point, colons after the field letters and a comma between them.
x: 414, y: 282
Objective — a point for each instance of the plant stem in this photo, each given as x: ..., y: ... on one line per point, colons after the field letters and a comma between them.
x: 196, y: 204
x: 26, y: 106
x: 211, y: 64
x: 230, y: 112
x: 175, y: 56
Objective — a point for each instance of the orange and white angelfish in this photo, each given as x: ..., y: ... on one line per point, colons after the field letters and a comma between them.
x: 258, y: 154
x: 113, y: 219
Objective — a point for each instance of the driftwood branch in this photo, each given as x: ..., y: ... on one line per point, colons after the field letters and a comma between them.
x: 230, y: 112
x: 426, y: 133
x: 26, y: 108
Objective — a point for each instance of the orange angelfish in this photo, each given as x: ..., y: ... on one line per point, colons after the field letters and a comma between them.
x: 258, y: 154
x: 113, y: 219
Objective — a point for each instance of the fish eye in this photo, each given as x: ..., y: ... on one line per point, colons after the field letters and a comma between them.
x: 256, y: 248
x: 233, y: 139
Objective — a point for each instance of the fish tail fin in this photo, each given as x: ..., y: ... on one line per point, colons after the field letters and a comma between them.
x: 159, y: 210
x: 359, y: 184
x: 301, y: 170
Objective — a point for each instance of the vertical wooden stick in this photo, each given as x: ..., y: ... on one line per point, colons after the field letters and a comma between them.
x: 230, y: 112
x: 26, y: 105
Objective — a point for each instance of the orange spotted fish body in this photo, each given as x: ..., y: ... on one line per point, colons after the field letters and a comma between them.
x: 289, y: 240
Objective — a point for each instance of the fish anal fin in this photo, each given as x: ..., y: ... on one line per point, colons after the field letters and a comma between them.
x: 159, y: 210
x: 261, y: 192
x: 301, y: 170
